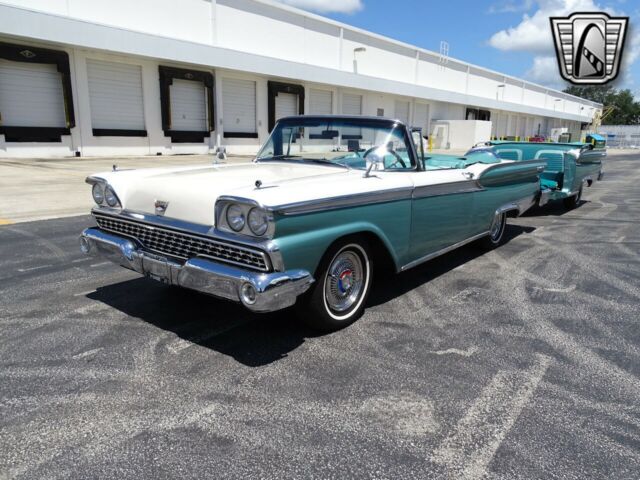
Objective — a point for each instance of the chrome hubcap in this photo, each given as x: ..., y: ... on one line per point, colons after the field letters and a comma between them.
x: 344, y: 281
x: 496, y: 226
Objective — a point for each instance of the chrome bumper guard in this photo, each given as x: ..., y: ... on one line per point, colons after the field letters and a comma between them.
x: 545, y: 197
x: 259, y: 292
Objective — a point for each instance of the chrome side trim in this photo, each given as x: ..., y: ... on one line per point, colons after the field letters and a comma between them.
x: 448, y: 249
x: 510, y: 207
x: 345, y: 201
x: 501, y: 165
x: 452, y: 188
x: 519, y: 206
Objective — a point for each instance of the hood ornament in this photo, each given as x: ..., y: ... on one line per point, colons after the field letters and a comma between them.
x: 161, y: 207
x: 258, y: 184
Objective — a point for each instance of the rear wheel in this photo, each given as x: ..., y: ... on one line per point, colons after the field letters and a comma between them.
x: 573, y: 201
x: 496, y: 231
x: 343, y: 283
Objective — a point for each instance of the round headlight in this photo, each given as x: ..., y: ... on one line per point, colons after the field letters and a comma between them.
x: 110, y: 196
x: 98, y: 193
x: 258, y: 221
x: 235, y: 217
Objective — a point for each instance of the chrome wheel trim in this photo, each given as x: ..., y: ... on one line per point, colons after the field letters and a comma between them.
x: 346, y: 281
x: 497, y: 227
x: 578, y: 197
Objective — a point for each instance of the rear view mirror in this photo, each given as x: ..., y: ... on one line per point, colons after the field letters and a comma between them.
x: 330, y: 134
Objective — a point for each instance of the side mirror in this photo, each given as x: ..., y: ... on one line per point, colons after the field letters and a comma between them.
x: 416, y: 136
x: 374, y: 163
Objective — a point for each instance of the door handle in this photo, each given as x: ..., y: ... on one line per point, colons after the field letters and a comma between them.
x: 468, y: 175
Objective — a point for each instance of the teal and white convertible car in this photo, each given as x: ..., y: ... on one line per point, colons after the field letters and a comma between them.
x: 569, y: 167
x: 327, y: 201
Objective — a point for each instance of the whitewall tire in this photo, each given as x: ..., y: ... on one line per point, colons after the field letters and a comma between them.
x: 342, y: 286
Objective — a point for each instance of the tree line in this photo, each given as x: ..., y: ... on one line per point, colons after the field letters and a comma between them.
x: 625, y: 109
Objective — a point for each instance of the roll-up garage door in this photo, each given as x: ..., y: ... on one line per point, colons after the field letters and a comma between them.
x: 31, y: 95
x: 115, y: 96
x: 239, y: 107
x: 188, y: 106
x: 351, y: 104
x: 320, y: 102
x: 402, y: 111
x: 421, y: 117
x: 286, y: 105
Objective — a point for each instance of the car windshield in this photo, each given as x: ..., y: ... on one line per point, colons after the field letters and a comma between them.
x: 339, y: 142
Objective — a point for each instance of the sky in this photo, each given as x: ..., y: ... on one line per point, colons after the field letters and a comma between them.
x: 510, y: 36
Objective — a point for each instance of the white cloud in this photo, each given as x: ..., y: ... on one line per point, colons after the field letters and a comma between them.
x: 533, y: 33
x: 511, y: 6
x: 631, y: 54
x: 325, y: 6
x: 545, y: 71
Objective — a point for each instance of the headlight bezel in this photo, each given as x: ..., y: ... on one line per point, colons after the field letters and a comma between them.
x: 246, y: 206
x: 102, y: 186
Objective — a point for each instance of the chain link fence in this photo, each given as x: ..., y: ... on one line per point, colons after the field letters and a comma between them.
x: 621, y: 136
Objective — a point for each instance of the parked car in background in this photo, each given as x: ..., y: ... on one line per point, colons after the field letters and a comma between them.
x: 327, y: 202
x: 569, y: 167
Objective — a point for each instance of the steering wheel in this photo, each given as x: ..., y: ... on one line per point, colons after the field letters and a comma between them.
x: 392, y: 152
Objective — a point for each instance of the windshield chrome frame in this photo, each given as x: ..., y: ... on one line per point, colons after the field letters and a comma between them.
x: 366, y: 120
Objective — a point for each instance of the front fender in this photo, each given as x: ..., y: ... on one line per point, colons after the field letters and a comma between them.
x: 303, y: 240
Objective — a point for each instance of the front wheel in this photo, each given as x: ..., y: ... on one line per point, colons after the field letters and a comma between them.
x: 574, y: 200
x: 343, y: 283
x: 496, y: 231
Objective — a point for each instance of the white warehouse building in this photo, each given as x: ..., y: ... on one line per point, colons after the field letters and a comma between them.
x: 161, y: 77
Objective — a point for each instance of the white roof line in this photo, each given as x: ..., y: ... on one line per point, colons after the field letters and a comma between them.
x: 399, y: 43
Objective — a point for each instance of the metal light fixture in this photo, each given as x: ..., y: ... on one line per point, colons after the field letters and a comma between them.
x: 356, y: 51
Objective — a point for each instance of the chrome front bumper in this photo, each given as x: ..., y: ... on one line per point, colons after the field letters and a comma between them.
x: 259, y: 292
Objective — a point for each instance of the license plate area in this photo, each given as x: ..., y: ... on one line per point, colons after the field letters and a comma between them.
x: 157, y: 268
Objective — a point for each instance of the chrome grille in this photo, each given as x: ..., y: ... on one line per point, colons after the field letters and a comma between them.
x: 182, y: 245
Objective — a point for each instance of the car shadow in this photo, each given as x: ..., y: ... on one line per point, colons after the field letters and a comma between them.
x: 254, y: 340
x: 555, y: 208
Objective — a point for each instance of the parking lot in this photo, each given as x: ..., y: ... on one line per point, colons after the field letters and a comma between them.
x: 523, y: 362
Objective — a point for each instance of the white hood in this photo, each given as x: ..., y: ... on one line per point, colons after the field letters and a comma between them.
x: 191, y: 192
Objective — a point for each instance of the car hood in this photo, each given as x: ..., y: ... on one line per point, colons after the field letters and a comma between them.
x: 191, y: 192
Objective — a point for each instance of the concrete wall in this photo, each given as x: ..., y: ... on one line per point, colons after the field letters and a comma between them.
x: 459, y: 134
x: 411, y: 74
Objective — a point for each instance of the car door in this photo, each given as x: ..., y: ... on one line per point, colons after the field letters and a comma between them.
x: 442, y: 204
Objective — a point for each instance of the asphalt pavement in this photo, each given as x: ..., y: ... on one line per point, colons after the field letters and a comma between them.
x: 520, y: 363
